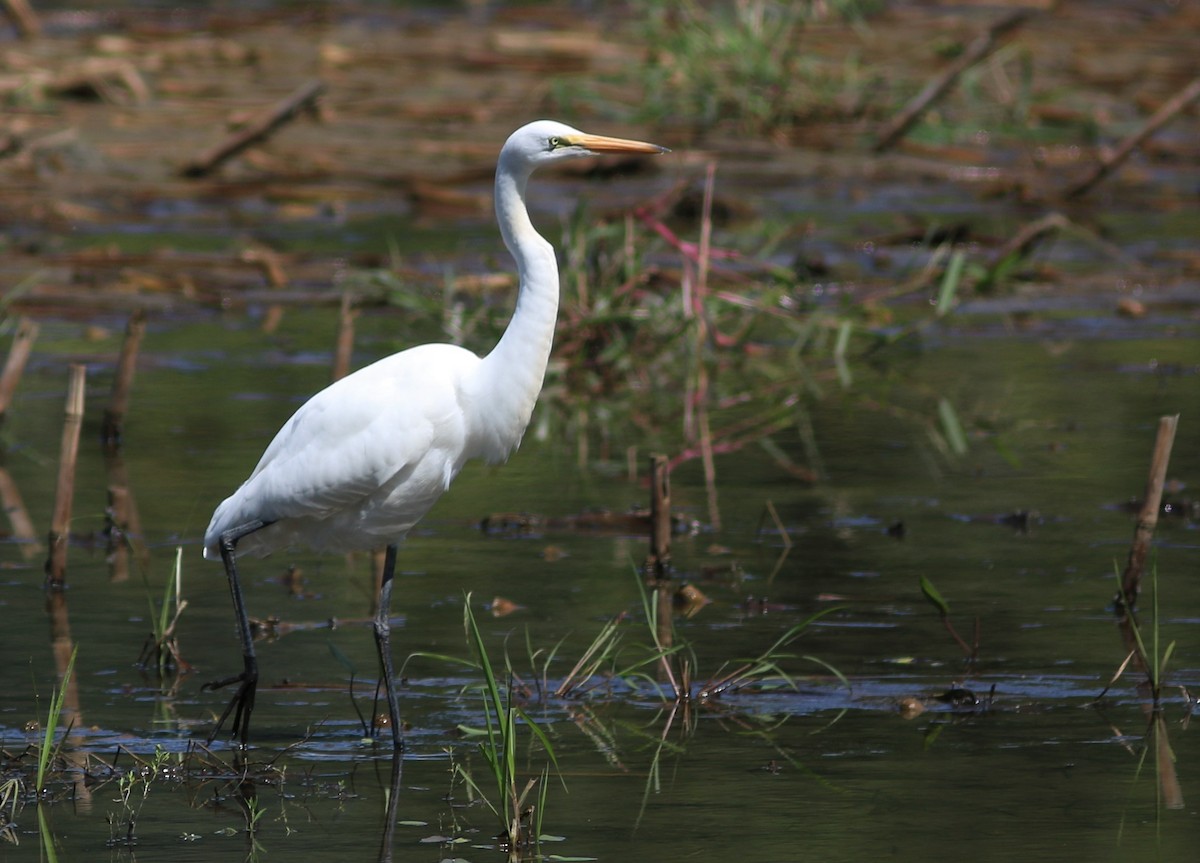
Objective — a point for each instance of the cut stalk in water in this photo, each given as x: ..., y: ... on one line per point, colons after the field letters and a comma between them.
x: 118, y: 404
x: 1131, y: 579
x: 14, y: 367
x: 344, y: 347
x: 60, y: 524
x: 658, y: 562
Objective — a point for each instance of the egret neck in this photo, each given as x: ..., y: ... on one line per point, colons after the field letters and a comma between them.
x: 511, y: 375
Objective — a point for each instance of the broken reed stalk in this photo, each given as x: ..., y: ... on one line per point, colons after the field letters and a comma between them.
x: 704, y: 252
x: 24, y: 19
x: 344, y: 347
x: 983, y: 45
x: 1022, y: 242
x: 14, y: 366
x: 118, y: 403
x: 1170, y: 791
x: 259, y: 129
x: 705, y: 438
x: 1160, y: 118
x: 1143, y: 532
x: 60, y: 523
x: 658, y: 562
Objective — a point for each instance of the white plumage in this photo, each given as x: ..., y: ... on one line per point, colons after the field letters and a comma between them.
x: 364, y: 459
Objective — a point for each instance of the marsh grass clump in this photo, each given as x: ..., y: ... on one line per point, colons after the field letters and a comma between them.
x: 160, y: 652
x: 737, y: 63
x: 749, y: 343
x: 616, y: 666
x: 667, y: 665
x: 516, y: 798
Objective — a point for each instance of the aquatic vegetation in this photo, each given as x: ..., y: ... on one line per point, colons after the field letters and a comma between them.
x: 739, y: 64
x: 160, y: 652
x: 518, y: 807
x: 49, y: 748
x: 935, y: 598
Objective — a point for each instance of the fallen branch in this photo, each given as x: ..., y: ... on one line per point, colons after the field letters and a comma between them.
x: 1161, y: 117
x: 1022, y: 242
x: 257, y: 130
x: 981, y: 47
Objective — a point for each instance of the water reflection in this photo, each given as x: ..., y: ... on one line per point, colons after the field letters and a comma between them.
x: 125, y: 541
x: 21, y: 524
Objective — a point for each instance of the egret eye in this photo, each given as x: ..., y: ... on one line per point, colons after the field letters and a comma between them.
x: 555, y: 142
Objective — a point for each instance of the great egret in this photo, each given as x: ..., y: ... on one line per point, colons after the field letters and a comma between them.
x: 365, y: 458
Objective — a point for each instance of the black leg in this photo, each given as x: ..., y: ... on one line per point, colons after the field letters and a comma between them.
x: 383, y: 641
x: 242, y: 703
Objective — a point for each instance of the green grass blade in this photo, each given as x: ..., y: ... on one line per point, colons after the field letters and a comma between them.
x: 950, y: 282
x: 845, y: 377
x: 56, y: 706
x: 50, y: 853
x: 956, y: 438
x: 931, y: 593
x: 539, y: 733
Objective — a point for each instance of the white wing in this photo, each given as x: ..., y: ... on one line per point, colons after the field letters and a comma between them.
x: 360, y: 462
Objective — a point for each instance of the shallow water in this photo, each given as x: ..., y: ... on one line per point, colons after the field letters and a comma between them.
x: 1034, y: 770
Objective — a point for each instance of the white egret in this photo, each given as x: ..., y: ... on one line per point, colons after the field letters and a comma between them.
x: 364, y: 459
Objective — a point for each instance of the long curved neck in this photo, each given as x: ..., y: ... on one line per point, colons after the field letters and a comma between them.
x: 511, y: 375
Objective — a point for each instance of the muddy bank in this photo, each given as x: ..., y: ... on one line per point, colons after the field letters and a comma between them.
x: 113, y: 195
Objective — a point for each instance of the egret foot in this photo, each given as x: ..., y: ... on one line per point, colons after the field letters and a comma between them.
x: 241, y: 705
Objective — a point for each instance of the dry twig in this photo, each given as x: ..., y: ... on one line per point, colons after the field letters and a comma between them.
x: 1113, y: 160
x: 259, y: 129
x: 981, y: 47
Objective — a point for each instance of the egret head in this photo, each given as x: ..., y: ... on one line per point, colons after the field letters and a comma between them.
x: 544, y: 141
